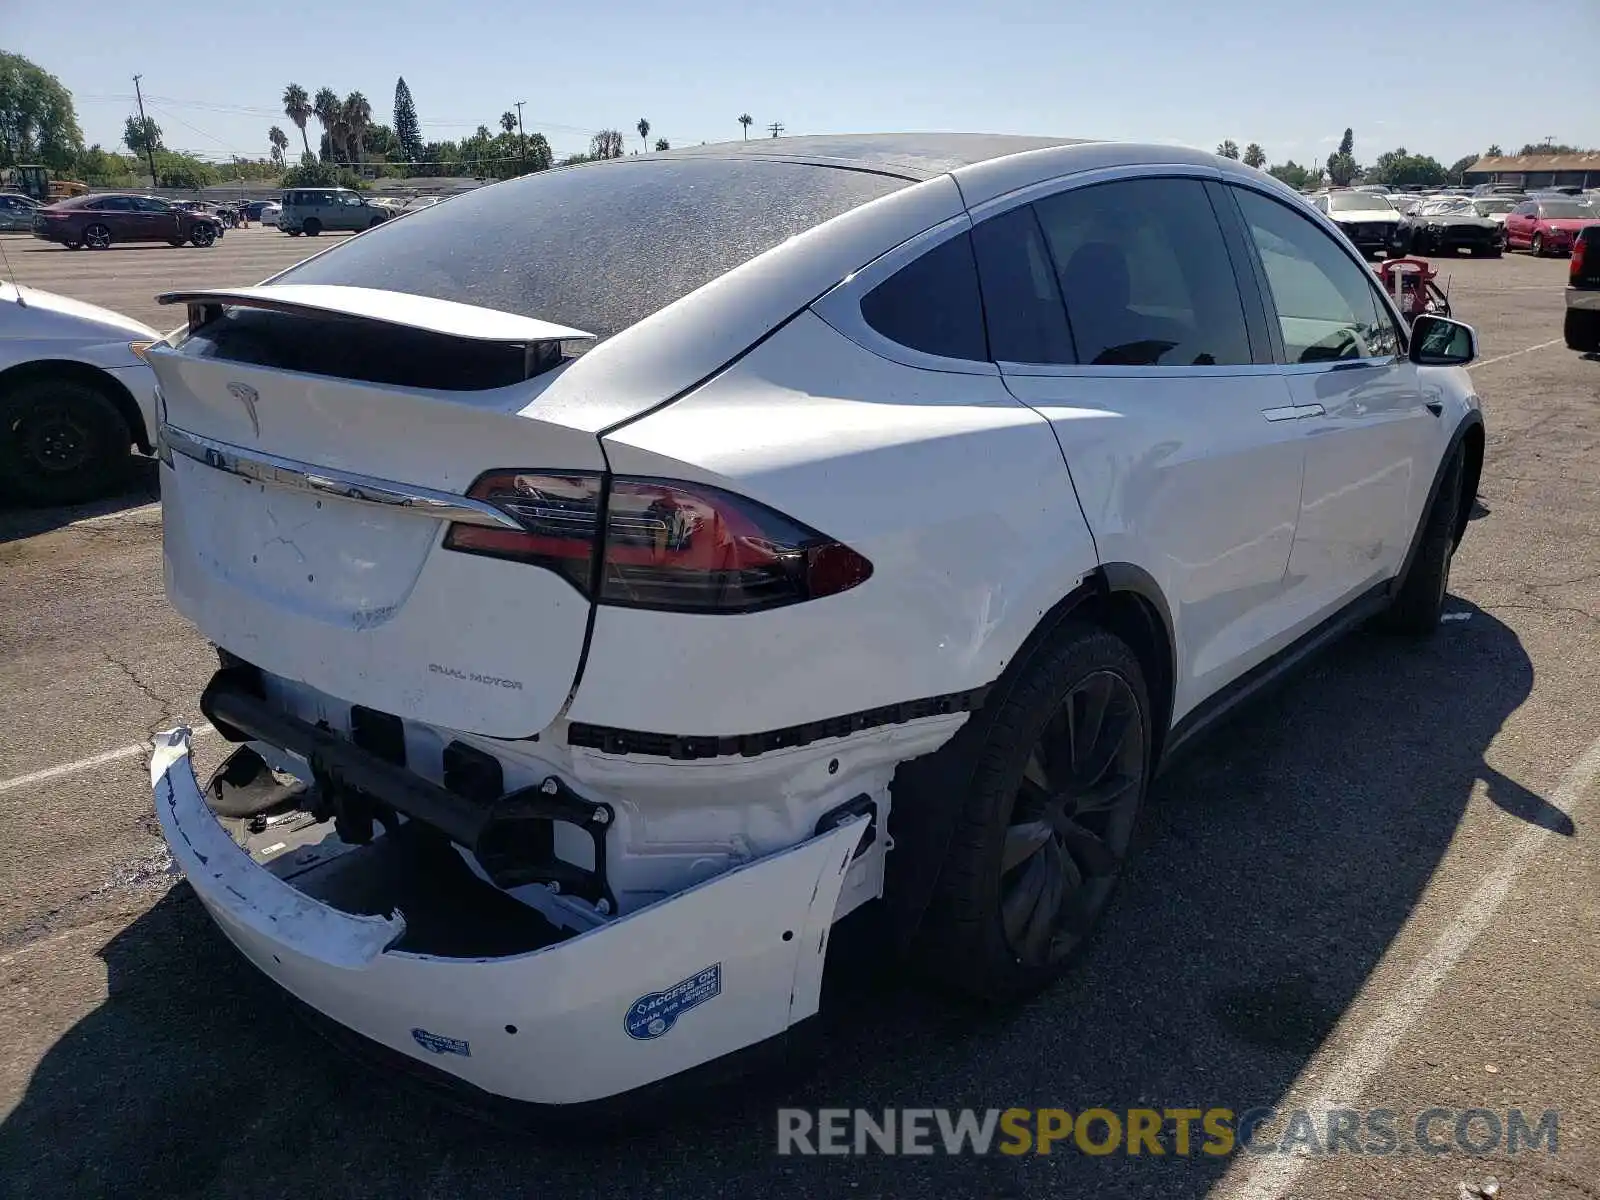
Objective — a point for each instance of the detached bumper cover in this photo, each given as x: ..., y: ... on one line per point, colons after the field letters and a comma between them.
x: 722, y: 966
x: 1584, y: 299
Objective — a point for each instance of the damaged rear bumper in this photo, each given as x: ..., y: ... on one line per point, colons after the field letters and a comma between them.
x: 720, y: 967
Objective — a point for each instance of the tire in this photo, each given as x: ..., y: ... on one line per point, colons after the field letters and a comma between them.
x: 1495, y: 251
x: 1581, y: 329
x: 203, y: 235
x: 73, y: 245
x: 1416, y: 607
x: 982, y: 935
x: 61, y: 441
x: 312, y: 227
x: 376, y: 221
x: 97, y: 237
x: 292, y: 232
x: 174, y: 242
x: 1536, y: 247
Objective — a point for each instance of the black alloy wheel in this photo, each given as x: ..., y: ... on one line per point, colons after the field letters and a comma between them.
x: 97, y: 237
x: 1072, y: 820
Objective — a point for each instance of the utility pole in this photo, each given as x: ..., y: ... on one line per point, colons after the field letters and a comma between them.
x: 522, y: 138
x: 144, y: 130
x: 776, y: 127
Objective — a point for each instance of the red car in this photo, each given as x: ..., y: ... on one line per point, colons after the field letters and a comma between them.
x: 1547, y: 226
x: 99, y: 221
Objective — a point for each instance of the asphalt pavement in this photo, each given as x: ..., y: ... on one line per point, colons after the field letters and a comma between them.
x: 1375, y: 890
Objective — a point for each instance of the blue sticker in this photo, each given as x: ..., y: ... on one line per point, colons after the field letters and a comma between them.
x: 653, y: 1013
x: 437, y: 1044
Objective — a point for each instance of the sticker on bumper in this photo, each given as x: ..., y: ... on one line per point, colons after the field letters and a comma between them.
x: 654, y: 1013
x: 438, y: 1044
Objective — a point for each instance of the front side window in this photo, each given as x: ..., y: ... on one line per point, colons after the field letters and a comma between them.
x: 932, y: 304
x: 151, y: 204
x: 1327, y: 308
x: 113, y: 204
x: 1145, y: 275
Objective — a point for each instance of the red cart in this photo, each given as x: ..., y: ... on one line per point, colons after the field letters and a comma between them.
x: 1412, y: 282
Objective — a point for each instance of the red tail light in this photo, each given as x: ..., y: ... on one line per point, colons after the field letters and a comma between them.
x: 1579, y: 245
x: 667, y: 545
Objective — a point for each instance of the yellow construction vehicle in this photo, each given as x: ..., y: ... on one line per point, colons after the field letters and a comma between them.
x: 37, y: 181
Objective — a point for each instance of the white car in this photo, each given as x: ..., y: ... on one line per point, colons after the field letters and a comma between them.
x: 75, y: 394
x: 1366, y: 218
x: 597, y: 637
x: 270, y: 212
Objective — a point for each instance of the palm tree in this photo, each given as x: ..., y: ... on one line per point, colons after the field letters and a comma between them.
x: 508, y: 121
x: 297, y: 107
x: 745, y: 119
x: 357, y: 120
x: 644, y: 132
x: 328, y: 110
x: 280, y: 143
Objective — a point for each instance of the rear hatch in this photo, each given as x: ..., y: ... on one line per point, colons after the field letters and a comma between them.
x: 1585, y: 272
x: 312, y: 464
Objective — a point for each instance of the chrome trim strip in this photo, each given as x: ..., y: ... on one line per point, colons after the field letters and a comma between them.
x: 1082, y: 179
x: 1106, y: 371
x: 271, y: 470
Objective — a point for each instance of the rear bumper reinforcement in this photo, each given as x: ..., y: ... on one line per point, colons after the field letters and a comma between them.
x: 728, y: 964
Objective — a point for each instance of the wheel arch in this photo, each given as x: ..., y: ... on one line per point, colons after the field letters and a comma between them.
x: 1472, y: 445
x: 1121, y: 598
x: 103, y: 381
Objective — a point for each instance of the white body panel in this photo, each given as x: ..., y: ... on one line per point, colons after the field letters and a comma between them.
x: 551, y: 1026
x: 951, y: 488
x: 50, y: 328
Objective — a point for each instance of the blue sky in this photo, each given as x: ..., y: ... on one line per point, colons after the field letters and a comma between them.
x: 1290, y: 76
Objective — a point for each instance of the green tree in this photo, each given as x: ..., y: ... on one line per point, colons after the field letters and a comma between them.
x: 644, y: 132
x: 1342, y: 167
x: 508, y: 121
x: 746, y: 119
x: 606, y: 144
x: 330, y: 113
x: 1553, y: 147
x: 297, y: 107
x: 357, y: 115
x: 183, y: 171
x: 1229, y: 149
x: 1399, y: 168
x: 38, y: 122
x: 280, y: 143
x: 1298, y: 177
x: 538, y: 154
x: 1347, y: 144
x: 1458, y: 169
x: 1494, y: 151
x: 142, y: 137
x: 407, y: 130
x: 662, y: 144
x: 1255, y: 156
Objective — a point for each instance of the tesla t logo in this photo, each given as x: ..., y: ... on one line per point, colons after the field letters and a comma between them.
x: 247, y: 396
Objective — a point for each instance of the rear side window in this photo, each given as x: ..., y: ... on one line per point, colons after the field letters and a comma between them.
x: 1145, y: 274
x: 1021, y: 299
x: 931, y: 304
x: 597, y: 247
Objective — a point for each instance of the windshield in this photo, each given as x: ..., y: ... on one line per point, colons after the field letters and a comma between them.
x: 1559, y: 209
x: 1488, y: 208
x: 597, y: 247
x: 1358, y: 202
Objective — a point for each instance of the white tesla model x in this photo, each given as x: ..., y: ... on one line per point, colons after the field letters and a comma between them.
x: 622, y: 573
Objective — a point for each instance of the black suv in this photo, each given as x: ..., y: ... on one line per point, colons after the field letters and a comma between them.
x: 1582, y: 327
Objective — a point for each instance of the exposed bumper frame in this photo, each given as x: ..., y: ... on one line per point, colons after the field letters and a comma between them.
x: 723, y: 966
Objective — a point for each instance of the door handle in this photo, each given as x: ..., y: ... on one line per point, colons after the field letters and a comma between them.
x: 1294, y: 412
x: 1436, y: 407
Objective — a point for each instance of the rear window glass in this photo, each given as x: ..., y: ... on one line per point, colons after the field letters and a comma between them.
x: 931, y: 304
x: 597, y: 247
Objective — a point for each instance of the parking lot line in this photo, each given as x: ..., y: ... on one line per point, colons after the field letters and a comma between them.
x: 1343, y: 1085
x: 84, y: 764
x: 1525, y: 350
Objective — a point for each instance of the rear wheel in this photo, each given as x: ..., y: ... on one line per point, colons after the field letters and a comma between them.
x: 1581, y: 329
x: 312, y: 227
x: 61, y: 441
x: 97, y: 237
x: 1047, y: 821
x: 1417, y: 606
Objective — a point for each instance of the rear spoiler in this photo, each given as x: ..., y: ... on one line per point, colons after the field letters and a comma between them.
x: 447, y: 317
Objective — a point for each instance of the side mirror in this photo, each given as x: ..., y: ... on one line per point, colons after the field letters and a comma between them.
x: 1441, y: 342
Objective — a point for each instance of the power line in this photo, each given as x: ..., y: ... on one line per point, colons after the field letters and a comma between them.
x: 776, y: 127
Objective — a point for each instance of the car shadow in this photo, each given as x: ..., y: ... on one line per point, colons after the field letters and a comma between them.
x: 1282, y: 858
x: 20, y: 520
